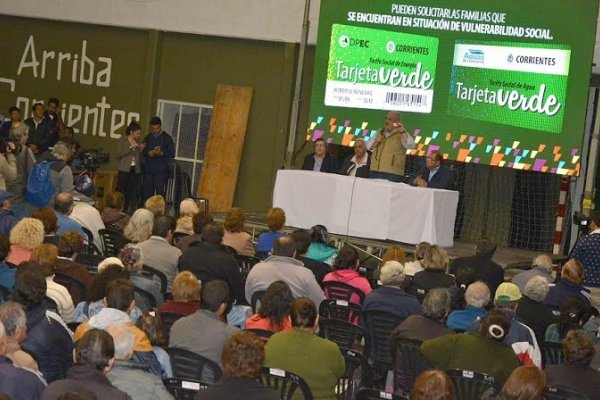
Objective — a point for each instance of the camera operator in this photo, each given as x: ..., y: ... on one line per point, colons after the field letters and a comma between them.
x: 19, y: 135
x: 587, y: 252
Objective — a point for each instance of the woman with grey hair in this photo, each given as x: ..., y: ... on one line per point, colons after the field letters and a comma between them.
x: 139, y: 227
x: 61, y: 174
x: 14, y: 320
x: 391, y: 297
x: 133, y: 262
x: 531, y: 309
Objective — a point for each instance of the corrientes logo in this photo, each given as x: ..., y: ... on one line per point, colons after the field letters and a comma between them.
x: 344, y: 41
x: 474, y: 56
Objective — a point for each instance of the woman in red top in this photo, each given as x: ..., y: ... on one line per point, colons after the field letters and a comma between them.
x: 274, y: 311
x: 186, y: 295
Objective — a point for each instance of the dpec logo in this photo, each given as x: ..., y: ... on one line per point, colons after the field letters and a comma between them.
x: 474, y: 56
x: 345, y: 41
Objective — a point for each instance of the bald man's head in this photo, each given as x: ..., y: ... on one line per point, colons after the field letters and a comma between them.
x: 284, y: 246
x: 63, y: 204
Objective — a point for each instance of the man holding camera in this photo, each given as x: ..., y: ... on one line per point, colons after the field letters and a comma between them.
x: 587, y: 252
x: 159, y: 149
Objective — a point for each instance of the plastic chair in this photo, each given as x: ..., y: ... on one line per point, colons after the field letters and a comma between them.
x: 286, y: 382
x: 374, y: 394
x: 246, y: 263
x: 159, y: 275
x: 380, y: 325
x: 261, y: 333
x: 112, y: 240
x: 90, y: 262
x: 409, y: 364
x: 551, y: 353
x: 89, y: 247
x: 343, y: 333
x: 76, y: 288
x: 470, y: 385
x: 339, y: 309
x: 144, y: 300
x: 342, y: 291
x: 563, y: 393
x: 256, y: 299
x: 348, y: 384
x: 184, y: 389
x: 168, y: 319
x: 189, y: 365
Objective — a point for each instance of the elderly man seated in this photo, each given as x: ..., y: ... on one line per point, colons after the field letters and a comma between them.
x: 542, y: 266
x: 569, y: 285
x: 358, y: 164
x: 531, y: 310
x: 477, y: 297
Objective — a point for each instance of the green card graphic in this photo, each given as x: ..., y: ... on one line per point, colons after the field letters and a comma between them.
x: 381, y: 70
x: 517, y: 84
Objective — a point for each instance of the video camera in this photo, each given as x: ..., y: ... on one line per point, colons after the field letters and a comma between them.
x: 92, y: 159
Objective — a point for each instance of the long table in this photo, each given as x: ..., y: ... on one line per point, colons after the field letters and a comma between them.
x: 369, y: 208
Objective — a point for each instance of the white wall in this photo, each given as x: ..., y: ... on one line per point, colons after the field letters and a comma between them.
x: 274, y: 20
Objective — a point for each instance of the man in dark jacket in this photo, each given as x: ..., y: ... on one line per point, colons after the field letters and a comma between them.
x: 320, y: 160
x: 159, y: 149
x: 485, y: 269
x: 434, y: 174
x: 358, y: 164
x: 41, y: 135
x: 49, y: 341
x: 7, y: 218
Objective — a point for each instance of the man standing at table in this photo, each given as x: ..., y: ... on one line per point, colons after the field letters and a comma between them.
x: 388, y: 149
x: 434, y: 174
x: 320, y: 160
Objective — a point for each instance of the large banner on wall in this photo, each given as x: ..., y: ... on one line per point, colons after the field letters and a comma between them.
x: 482, y: 82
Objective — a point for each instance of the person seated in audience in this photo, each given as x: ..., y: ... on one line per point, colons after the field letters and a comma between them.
x: 320, y: 249
x: 235, y: 235
x: 46, y: 255
x: 89, y: 217
x: 186, y: 295
x: 242, y: 359
x: 429, y: 325
x: 48, y: 340
x: 432, y: 384
x: 416, y: 265
x: 94, y: 357
x: 542, y: 266
x: 24, y: 237
x: 462, y: 280
x: 49, y: 220
x: 69, y: 248
x: 434, y: 174
x: 485, y: 269
x: 158, y: 251
x: 477, y: 297
x: 275, y: 223
x: 574, y: 314
x: 390, y: 297
x: 113, y: 215
x: 525, y: 383
x: 63, y: 207
x: 187, y: 210
x: 209, y: 260
x: 156, y: 204
x: 569, y: 285
x: 198, y: 222
x: 131, y: 376
x: 574, y: 372
x: 520, y: 337
x: 274, y: 311
x: 133, y: 262
x: 320, y: 160
x: 345, y: 270
x: 204, y: 332
x: 435, y: 265
x: 152, y: 326
x: 318, y: 361
x: 14, y: 320
x: 139, y: 227
x: 7, y: 272
x: 16, y: 382
x: 359, y: 163
x: 531, y: 310
x: 283, y: 266
x: 95, y: 295
x: 474, y: 352
x: 394, y: 253
x: 302, y: 239
x: 7, y: 219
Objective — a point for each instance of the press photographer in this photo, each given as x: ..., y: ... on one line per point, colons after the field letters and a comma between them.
x: 25, y: 160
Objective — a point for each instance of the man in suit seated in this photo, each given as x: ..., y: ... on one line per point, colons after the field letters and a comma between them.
x: 434, y: 174
x: 358, y: 164
x: 320, y: 160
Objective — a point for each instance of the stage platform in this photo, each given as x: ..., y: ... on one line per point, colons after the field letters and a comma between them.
x: 507, y: 257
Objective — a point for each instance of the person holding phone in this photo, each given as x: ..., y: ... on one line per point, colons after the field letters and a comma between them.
x: 159, y: 149
x: 388, y: 149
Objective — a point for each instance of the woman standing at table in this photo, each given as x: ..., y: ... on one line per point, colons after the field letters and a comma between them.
x: 128, y: 155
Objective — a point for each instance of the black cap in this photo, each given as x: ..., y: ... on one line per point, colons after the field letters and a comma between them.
x: 155, y: 121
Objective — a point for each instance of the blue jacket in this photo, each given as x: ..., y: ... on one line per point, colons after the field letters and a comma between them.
x: 442, y: 179
x: 19, y: 383
x: 7, y: 221
x: 7, y: 276
x: 328, y: 165
x: 461, y: 320
x: 392, y: 300
x: 166, y: 144
x: 562, y: 290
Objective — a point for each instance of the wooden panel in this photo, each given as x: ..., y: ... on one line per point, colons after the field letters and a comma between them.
x: 225, y: 144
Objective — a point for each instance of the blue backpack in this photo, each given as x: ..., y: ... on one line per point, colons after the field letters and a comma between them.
x: 40, y: 188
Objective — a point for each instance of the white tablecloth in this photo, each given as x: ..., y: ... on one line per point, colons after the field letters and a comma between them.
x: 369, y: 208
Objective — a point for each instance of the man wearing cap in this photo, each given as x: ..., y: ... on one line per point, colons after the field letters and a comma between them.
x: 7, y: 218
x: 159, y: 149
x: 520, y: 337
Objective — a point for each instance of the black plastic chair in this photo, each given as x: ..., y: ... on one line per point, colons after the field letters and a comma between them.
x: 349, y: 383
x: 177, y: 236
x: 159, y: 275
x: 89, y: 247
x: 551, y: 353
x: 374, y: 394
x: 256, y: 299
x: 343, y: 333
x: 339, y: 309
x: 144, y: 299
x: 184, y: 389
x: 563, y: 393
x: 49, y: 304
x: 261, y: 333
x: 168, y: 319
x: 380, y: 325
x: 342, y: 291
x: 189, y: 365
x: 286, y: 383
x: 409, y: 364
x: 246, y: 263
x: 90, y: 262
x: 113, y: 241
x: 76, y: 288
x: 470, y: 385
